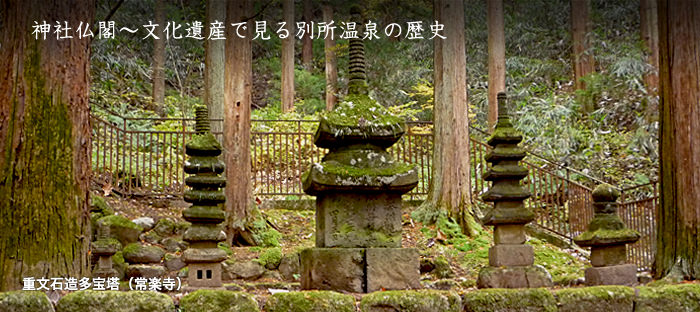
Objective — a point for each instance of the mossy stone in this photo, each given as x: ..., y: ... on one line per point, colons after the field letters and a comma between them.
x: 605, y: 193
x: 25, y: 301
x: 218, y: 301
x: 310, y: 301
x: 115, y: 301
x: 442, y: 268
x: 677, y: 298
x: 105, y: 247
x: 140, y: 253
x: 597, y: 298
x: 121, y: 228
x: 411, y: 301
x: 207, y: 214
x: 99, y: 205
x: 201, y: 233
x: 509, y: 300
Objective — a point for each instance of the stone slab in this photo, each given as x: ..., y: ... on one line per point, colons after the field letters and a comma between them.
x: 339, y: 269
x: 625, y: 274
x: 351, y: 221
x: 514, y: 277
x: 510, y: 234
x: 608, y: 255
x: 511, y: 255
x: 392, y: 268
x: 145, y: 270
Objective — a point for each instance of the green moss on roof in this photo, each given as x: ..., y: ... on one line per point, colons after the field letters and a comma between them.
x: 359, y: 109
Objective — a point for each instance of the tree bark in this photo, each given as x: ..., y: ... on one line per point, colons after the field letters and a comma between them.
x: 158, y: 76
x: 649, y: 30
x: 582, y: 54
x: 497, y: 58
x: 450, y: 185
x: 331, y: 62
x: 678, y: 244
x: 44, y: 143
x: 237, y: 103
x: 288, y: 58
x: 214, y: 51
x: 307, y: 48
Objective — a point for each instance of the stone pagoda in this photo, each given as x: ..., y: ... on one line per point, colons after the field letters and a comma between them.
x: 206, y: 195
x: 510, y: 259
x: 608, y: 237
x: 358, y: 188
x: 104, y: 248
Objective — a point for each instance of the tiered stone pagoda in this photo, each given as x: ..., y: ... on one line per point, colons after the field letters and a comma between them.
x: 358, y: 188
x: 206, y: 195
x: 608, y: 237
x: 104, y: 248
x: 510, y: 259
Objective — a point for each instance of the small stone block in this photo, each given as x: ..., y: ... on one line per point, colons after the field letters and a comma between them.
x: 511, y: 255
x: 392, y: 268
x: 625, y: 274
x: 608, y: 255
x: 514, y: 277
x: 204, y: 275
x: 338, y: 269
x: 509, y: 234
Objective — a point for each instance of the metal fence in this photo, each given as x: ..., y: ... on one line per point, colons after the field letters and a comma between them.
x: 149, y: 161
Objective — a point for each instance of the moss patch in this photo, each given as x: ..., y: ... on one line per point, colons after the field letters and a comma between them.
x: 684, y: 297
x: 410, y: 300
x: 115, y: 220
x: 218, y: 301
x: 598, y: 298
x: 310, y: 301
x: 25, y: 301
x: 270, y: 258
x: 115, y: 301
x: 356, y: 107
x: 510, y: 300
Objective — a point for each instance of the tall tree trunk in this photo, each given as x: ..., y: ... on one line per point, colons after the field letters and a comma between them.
x: 214, y: 51
x: 307, y: 48
x: 331, y: 62
x: 288, y: 58
x: 582, y: 54
x: 678, y: 240
x: 649, y: 30
x: 44, y: 143
x: 450, y: 184
x: 158, y: 75
x: 237, y: 103
x: 497, y: 58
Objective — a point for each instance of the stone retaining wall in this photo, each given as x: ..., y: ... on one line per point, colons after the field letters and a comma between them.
x: 676, y: 298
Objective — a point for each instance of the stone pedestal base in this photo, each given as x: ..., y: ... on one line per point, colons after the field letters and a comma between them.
x: 360, y: 270
x: 608, y: 255
x: 625, y: 274
x: 532, y: 276
x: 511, y: 255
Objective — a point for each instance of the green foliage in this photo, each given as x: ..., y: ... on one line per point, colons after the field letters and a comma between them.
x: 270, y: 258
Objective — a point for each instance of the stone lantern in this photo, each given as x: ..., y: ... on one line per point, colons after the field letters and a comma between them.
x: 510, y: 259
x: 358, y: 188
x: 206, y: 195
x: 104, y: 248
x: 608, y: 237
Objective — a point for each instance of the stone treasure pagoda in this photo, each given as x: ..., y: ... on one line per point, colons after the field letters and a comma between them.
x: 358, y: 188
x: 608, y: 238
x: 510, y: 259
x: 205, y: 182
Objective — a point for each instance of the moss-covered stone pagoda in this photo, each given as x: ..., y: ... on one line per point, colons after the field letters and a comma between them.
x: 608, y: 237
x: 510, y: 259
x: 206, y: 195
x: 358, y: 188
